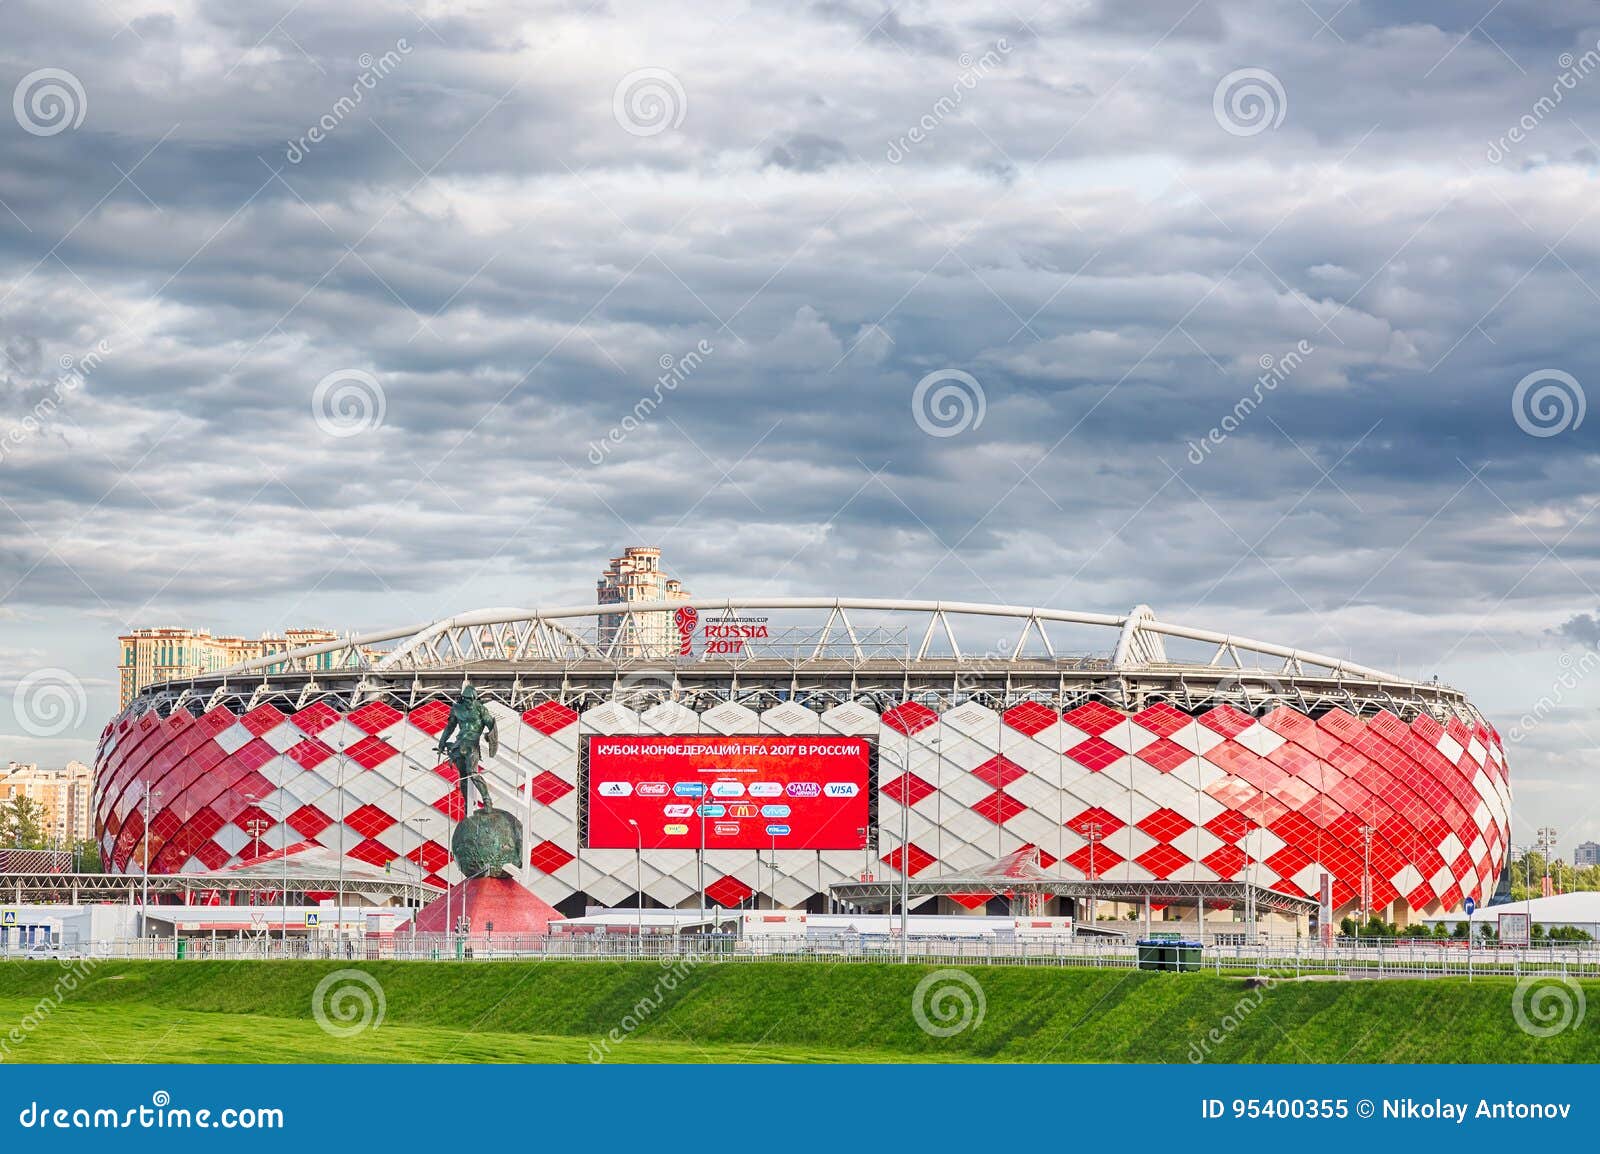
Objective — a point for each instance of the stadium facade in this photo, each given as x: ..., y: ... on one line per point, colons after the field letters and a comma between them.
x: 818, y: 729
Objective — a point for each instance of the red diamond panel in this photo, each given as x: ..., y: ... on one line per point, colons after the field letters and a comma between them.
x: 451, y: 805
x: 430, y: 855
x: 371, y: 752
x: 909, y: 717
x: 430, y: 718
x: 1093, y: 718
x: 1083, y: 824
x: 1029, y: 718
x: 548, y: 856
x: 1166, y: 824
x: 921, y: 859
x: 999, y: 772
x: 373, y: 852
x: 1162, y: 861
x: 1226, y: 720
x: 313, y: 719
x: 1161, y: 719
x: 1164, y: 754
x: 310, y: 753
x: 1094, y: 754
x: 547, y: 787
x: 909, y: 785
x: 309, y: 821
x: 1093, y: 862
x: 369, y: 821
x: 550, y: 717
x: 728, y: 891
x: 999, y: 807
x: 375, y: 717
x: 261, y: 718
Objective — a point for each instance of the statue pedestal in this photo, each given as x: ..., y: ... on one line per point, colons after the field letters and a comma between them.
x: 506, y: 902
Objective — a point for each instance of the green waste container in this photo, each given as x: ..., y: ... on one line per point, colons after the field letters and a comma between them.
x: 183, y: 948
x: 1166, y: 954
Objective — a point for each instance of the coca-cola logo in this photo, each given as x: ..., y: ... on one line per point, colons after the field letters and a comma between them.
x: 686, y: 618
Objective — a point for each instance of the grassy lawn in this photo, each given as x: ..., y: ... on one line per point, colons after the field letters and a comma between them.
x: 798, y: 1012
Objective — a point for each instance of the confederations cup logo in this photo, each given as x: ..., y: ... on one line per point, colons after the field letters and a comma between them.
x: 686, y: 619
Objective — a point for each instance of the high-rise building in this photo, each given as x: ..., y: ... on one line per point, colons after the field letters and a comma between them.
x: 637, y: 576
x: 153, y: 655
x: 63, y: 796
x: 1587, y: 854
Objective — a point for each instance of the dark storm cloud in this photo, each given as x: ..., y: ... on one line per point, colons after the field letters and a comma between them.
x: 838, y: 202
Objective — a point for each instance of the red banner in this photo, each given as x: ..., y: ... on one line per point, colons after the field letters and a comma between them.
x: 743, y: 792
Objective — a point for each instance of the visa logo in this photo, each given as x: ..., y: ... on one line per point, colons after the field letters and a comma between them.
x: 841, y: 789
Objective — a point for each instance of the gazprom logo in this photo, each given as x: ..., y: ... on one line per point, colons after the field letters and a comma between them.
x: 727, y: 789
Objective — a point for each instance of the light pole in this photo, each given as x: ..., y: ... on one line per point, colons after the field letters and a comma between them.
x: 1366, y: 877
x: 638, y: 882
x: 1092, y: 830
x: 1547, y: 842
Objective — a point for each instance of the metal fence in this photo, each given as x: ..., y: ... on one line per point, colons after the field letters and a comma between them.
x: 1273, y: 959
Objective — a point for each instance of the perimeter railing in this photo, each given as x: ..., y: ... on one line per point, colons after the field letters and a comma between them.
x: 1276, y: 959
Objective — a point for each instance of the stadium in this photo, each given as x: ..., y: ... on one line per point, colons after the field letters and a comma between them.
x: 781, y: 752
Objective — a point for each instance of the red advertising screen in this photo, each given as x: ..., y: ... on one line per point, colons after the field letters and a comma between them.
x: 743, y: 792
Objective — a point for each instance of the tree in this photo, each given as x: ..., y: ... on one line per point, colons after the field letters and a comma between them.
x: 86, y: 856
x: 22, y: 823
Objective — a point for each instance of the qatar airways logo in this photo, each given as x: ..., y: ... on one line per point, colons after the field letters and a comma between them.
x: 803, y: 789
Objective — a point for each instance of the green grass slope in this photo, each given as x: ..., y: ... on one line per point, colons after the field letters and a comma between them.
x: 641, y: 1012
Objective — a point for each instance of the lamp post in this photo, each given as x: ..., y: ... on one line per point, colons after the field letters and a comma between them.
x: 1092, y: 830
x: 638, y: 882
x: 1366, y: 877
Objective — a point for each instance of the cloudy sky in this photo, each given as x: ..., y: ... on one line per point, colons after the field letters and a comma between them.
x: 356, y: 295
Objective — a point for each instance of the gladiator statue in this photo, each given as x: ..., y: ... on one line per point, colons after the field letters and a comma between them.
x: 470, y: 723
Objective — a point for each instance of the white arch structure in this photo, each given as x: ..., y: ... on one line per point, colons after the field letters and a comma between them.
x: 546, y: 634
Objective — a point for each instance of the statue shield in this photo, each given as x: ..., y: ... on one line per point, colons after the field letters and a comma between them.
x: 491, y: 742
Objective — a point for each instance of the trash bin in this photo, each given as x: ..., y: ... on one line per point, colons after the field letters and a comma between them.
x: 1177, y: 956
x: 183, y: 948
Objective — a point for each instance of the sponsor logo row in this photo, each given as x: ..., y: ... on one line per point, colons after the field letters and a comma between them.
x: 738, y: 809
x: 721, y: 829
x: 726, y: 789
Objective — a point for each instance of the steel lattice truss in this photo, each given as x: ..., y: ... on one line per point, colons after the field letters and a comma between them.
x: 73, y: 888
x: 1241, y: 894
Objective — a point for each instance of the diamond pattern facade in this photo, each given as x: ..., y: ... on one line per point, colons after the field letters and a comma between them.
x: 1156, y: 794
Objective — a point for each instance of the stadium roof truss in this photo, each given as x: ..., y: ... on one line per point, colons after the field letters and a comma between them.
x: 848, y: 649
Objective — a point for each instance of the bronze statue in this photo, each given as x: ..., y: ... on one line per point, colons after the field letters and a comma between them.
x: 471, y: 723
